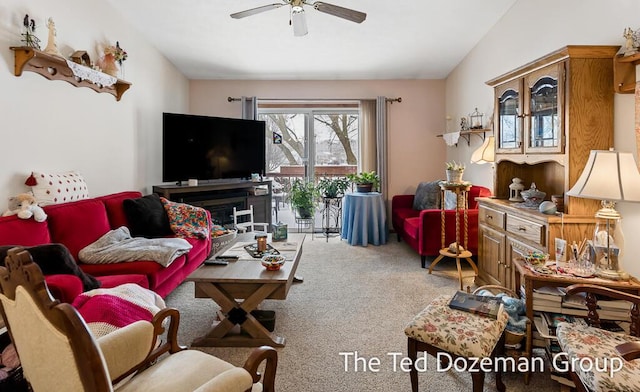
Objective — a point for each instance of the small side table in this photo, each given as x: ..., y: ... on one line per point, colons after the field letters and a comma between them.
x: 306, y: 222
x: 364, y: 219
x: 462, y: 203
x: 331, y: 216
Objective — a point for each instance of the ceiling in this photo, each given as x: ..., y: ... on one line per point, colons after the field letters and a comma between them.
x: 399, y: 39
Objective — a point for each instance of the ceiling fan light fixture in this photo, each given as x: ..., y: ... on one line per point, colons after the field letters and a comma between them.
x: 299, y: 22
x: 298, y: 19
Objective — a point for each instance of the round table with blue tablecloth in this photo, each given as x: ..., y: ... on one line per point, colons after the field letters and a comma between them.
x: 364, y: 219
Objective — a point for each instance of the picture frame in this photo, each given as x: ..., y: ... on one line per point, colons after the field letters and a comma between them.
x: 561, y: 250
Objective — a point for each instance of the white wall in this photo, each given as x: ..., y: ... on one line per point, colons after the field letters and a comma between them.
x: 53, y: 126
x: 531, y: 29
x: 415, y: 154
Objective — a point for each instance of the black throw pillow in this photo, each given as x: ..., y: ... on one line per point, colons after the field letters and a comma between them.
x: 55, y: 259
x: 427, y: 196
x: 146, y: 217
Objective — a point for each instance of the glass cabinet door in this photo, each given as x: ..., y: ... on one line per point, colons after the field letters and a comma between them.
x: 543, y: 122
x: 509, y: 119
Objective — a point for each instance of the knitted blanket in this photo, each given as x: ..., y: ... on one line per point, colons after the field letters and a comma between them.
x: 118, y: 246
x: 106, y: 310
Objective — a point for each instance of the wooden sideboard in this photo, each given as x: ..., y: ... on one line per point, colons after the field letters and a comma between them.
x: 507, y: 231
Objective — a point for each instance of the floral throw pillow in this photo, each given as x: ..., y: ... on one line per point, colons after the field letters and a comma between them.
x: 187, y: 220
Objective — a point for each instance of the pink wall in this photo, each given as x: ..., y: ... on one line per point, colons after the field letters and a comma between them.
x: 415, y: 153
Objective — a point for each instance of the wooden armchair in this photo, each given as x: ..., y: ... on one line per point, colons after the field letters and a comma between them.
x: 58, y: 353
x: 614, y: 355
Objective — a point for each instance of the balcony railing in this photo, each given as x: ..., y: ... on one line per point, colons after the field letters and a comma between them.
x: 289, y: 173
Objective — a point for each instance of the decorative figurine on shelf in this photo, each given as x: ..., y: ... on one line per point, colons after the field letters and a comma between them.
x: 464, y: 125
x: 29, y: 37
x: 515, y: 188
x: 533, y: 196
x: 629, y: 46
x: 52, y: 46
x: 113, y: 54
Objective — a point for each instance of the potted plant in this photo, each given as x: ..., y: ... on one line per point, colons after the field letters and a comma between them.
x: 303, y: 196
x: 333, y: 187
x: 365, y: 181
x: 454, y: 172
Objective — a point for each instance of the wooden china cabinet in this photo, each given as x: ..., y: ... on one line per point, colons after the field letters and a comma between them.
x: 549, y: 114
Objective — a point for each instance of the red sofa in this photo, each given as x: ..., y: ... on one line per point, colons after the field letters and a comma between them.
x: 421, y: 229
x: 78, y: 224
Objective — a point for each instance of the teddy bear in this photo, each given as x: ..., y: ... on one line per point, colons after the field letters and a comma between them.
x: 25, y: 206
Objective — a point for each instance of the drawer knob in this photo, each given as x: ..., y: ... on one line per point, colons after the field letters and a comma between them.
x: 522, y: 228
x: 489, y: 217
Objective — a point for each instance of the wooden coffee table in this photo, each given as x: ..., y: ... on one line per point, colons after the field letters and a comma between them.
x: 239, y: 287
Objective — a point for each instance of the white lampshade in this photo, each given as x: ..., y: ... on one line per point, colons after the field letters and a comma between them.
x: 485, y: 153
x: 299, y: 22
x: 609, y: 175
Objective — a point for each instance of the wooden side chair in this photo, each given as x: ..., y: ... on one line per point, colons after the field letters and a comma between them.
x: 440, y: 329
x: 599, y: 347
x: 243, y: 221
x: 58, y: 353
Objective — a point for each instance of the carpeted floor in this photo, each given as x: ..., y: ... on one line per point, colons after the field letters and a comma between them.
x: 353, y: 299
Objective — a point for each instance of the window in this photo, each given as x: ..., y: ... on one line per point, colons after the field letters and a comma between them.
x: 310, y: 140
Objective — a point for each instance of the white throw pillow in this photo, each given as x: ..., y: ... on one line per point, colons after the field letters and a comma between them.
x: 55, y: 188
x: 450, y: 201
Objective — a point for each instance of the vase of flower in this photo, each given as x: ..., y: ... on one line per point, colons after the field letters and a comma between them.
x: 109, y: 65
x: 454, y: 172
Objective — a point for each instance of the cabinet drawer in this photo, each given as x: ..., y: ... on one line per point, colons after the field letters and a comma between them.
x: 531, y: 231
x: 491, y: 217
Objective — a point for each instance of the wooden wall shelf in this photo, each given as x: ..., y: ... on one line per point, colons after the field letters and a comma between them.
x: 467, y: 134
x: 56, y: 68
x: 624, y: 73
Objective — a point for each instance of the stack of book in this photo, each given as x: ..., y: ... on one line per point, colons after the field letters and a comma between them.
x: 614, y: 310
x: 555, y: 300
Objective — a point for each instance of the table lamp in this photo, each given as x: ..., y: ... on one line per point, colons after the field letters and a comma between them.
x: 609, y: 176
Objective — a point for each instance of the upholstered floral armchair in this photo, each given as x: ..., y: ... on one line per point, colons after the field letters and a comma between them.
x: 418, y: 222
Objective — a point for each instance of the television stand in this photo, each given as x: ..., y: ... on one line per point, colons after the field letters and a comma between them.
x: 220, y: 196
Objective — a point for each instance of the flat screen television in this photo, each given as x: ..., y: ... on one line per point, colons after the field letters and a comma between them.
x: 210, y: 148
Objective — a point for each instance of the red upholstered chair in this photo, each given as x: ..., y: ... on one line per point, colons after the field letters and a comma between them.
x: 421, y: 228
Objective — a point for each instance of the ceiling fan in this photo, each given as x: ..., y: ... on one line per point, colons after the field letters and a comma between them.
x: 298, y: 20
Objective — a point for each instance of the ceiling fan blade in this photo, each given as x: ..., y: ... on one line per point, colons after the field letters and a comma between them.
x: 341, y: 12
x: 257, y: 10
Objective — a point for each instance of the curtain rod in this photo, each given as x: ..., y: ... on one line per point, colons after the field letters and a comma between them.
x: 391, y: 100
